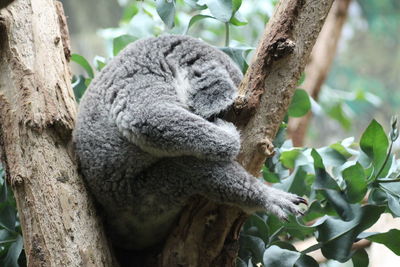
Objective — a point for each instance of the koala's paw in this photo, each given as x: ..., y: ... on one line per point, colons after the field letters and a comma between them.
x: 282, y: 204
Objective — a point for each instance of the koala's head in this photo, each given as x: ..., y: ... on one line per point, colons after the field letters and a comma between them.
x: 209, y: 91
x: 206, y: 78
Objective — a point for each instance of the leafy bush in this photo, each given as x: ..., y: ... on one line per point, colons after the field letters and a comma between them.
x: 348, y: 186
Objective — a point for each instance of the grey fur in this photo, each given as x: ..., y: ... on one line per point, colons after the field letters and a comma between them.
x: 145, y: 144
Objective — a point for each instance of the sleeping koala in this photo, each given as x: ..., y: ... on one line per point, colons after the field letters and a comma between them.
x: 147, y: 139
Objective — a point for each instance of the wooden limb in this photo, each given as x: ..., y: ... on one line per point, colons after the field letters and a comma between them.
x: 265, y: 95
x: 37, y: 113
x: 320, y: 62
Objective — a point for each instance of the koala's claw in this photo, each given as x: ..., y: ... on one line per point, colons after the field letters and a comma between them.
x: 285, y: 203
x: 300, y: 200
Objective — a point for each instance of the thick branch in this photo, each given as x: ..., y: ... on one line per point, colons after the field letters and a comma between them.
x: 37, y: 112
x: 320, y: 62
x: 207, y: 233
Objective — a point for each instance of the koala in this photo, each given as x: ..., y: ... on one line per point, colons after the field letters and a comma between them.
x: 148, y: 137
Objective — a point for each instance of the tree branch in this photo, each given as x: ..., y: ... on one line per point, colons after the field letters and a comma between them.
x: 207, y: 233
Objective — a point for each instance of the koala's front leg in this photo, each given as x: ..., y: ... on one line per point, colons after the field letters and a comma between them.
x: 231, y: 184
x: 224, y: 182
x: 167, y: 130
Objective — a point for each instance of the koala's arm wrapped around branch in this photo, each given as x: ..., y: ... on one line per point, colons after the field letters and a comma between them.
x: 165, y: 129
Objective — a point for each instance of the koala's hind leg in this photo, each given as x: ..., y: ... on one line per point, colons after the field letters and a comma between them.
x: 226, y: 182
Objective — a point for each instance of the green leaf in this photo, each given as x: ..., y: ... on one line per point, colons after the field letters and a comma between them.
x: 121, y: 41
x: 330, y: 189
x: 323, y: 180
x: 254, y: 244
x: 337, y: 236
x: 220, y: 9
x: 3, y: 192
x: 314, y: 211
x: 238, y: 20
x: 394, y: 204
x: 269, y: 176
x: 341, y: 149
x: 236, y: 5
x: 306, y: 261
x: 8, y: 217
x: 356, y: 182
x: 276, y: 256
x: 87, y: 82
x: 194, y: 4
x: 340, y: 204
x: 288, y: 158
x: 284, y: 245
x: 83, y: 63
x: 374, y: 143
x: 297, y: 229
x: 336, y: 112
x: 360, y: 258
x: 392, y: 191
x: 11, y: 259
x: 129, y: 12
x: 377, y: 197
x: 237, y: 54
x: 300, y: 104
x: 79, y: 86
x: 389, y: 239
x: 302, y: 78
x: 100, y: 62
x: 196, y: 18
x: 240, y: 262
x: 295, y: 183
x: 260, y: 225
x: 331, y: 157
x: 166, y: 11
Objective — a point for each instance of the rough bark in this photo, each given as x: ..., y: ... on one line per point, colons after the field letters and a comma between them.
x: 317, y: 69
x: 37, y: 112
x: 207, y: 233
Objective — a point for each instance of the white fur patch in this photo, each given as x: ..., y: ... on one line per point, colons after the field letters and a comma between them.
x: 182, y: 86
x: 228, y: 127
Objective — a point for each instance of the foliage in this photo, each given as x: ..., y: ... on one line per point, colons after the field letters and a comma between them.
x: 348, y: 186
x: 10, y: 229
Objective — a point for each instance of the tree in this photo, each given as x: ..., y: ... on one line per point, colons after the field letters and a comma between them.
x: 59, y: 222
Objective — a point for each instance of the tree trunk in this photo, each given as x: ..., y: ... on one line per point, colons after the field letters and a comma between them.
x: 320, y: 61
x: 37, y: 113
x: 207, y: 233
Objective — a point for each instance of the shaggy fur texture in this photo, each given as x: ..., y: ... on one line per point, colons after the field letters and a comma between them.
x: 147, y: 139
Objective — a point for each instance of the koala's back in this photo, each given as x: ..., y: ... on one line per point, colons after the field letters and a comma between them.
x: 106, y: 156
